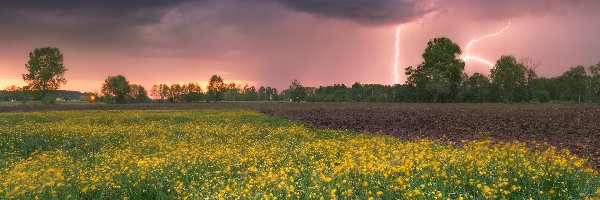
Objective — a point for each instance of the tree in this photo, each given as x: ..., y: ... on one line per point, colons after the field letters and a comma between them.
x: 594, y: 85
x: 192, y: 93
x: 231, y: 92
x: 116, y: 89
x: 356, y: 93
x: 138, y: 93
x: 296, y: 91
x: 155, y: 92
x: 508, y: 78
x: 216, y: 88
x: 476, y: 89
x: 250, y: 93
x: 46, y: 70
x: 438, y: 86
x: 573, y: 84
x: 441, y: 66
x: 262, y: 93
x: 272, y: 94
x: 529, y: 66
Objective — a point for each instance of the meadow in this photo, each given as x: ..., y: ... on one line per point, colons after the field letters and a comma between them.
x: 231, y: 154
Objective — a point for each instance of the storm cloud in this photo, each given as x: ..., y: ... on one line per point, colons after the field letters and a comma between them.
x: 364, y: 11
x: 275, y: 41
x: 385, y: 12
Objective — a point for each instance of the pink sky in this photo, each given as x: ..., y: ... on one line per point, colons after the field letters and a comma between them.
x: 272, y: 42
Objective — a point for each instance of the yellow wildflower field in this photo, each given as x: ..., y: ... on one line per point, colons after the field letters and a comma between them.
x: 245, y: 154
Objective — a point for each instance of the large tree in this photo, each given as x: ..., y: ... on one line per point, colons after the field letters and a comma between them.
x: 440, y: 73
x: 216, y: 88
x: 116, y: 89
x: 509, y: 78
x: 46, y: 70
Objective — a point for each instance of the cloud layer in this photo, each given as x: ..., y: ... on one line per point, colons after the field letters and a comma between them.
x: 269, y: 41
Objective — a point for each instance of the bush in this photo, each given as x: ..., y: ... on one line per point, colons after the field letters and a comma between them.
x: 49, y: 100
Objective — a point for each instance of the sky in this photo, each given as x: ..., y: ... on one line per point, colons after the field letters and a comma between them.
x: 272, y: 42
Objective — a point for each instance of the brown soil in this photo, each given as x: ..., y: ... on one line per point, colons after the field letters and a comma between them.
x: 574, y: 127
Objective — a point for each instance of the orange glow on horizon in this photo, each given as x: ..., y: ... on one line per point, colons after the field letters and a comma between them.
x: 95, y: 86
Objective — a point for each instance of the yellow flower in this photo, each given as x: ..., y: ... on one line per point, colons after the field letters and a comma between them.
x: 417, y: 192
x: 325, y: 178
x: 486, y: 189
x: 379, y: 192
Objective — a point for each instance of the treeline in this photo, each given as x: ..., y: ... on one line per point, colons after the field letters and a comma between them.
x: 217, y: 90
x: 441, y: 78
x: 13, y: 93
x: 578, y: 84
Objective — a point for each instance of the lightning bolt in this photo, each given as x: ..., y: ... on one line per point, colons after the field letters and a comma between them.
x: 396, y: 52
x: 468, y: 56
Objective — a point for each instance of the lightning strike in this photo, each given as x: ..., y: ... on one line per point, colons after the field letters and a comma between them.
x: 468, y: 56
x: 396, y: 52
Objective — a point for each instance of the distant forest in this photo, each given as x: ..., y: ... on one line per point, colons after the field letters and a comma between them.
x: 13, y: 93
x: 439, y: 78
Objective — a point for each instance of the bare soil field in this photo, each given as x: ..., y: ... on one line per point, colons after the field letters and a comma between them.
x: 574, y: 127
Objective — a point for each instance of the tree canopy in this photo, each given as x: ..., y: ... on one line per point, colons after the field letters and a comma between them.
x: 296, y: 91
x: 440, y: 73
x: 508, y: 77
x: 216, y: 88
x: 46, y: 70
x: 116, y: 89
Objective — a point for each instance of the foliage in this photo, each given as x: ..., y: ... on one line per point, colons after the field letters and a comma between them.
x: 440, y: 74
x: 247, y: 155
x: 267, y: 94
x: 476, y: 89
x: 573, y: 84
x: 594, y: 84
x: 13, y: 93
x: 216, y: 88
x: 508, y: 77
x: 191, y: 92
x: 116, y: 89
x: 46, y: 70
x: 138, y: 94
x: 296, y: 91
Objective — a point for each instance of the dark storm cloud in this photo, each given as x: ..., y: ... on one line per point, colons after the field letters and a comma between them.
x: 383, y: 12
x: 49, y: 13
x: 363, y: 11
x: 83, y: 21
x: 484, y: 9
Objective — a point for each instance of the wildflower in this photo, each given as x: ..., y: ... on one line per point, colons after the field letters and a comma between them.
x: 417, y: 191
